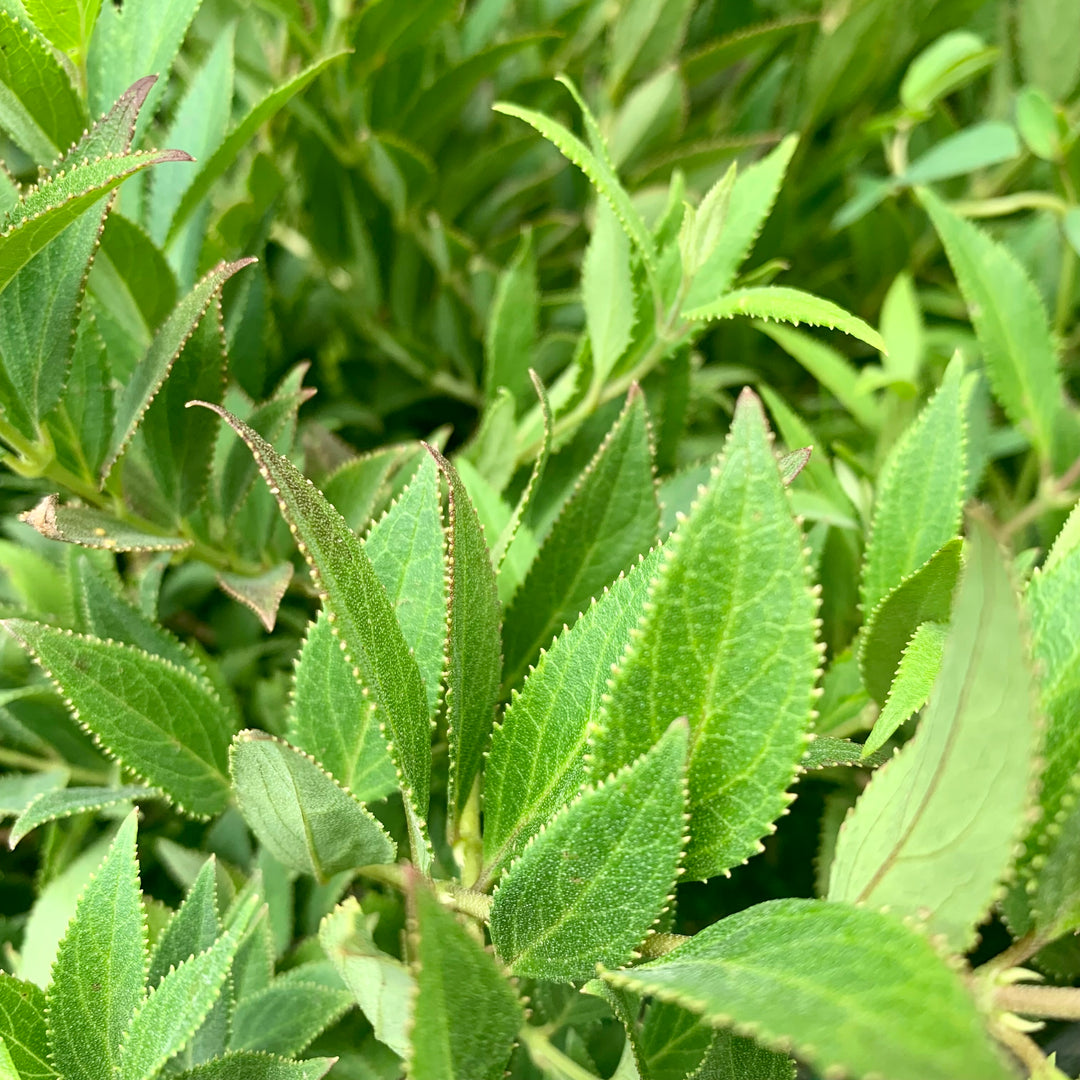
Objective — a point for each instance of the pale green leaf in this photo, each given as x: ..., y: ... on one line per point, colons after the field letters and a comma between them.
x: 607, y: 289
x: 169, y: 343
x: 653, y: 112
x: 359, y: 486
x: 902, y: 329
x: 945, y: 65
x: 19, y: 790
x: 1010, y: 321
x: 645, y: 35
x: 333, y: 720
x: 1037, y: 122
x: 924, y: 596
x: 382, y: 985
x: 784, y: 304
x: 473, y: 642
x: 300, y: 813
x: 588, y: 889
x: 23, y: 1029
x: 261, y: 593
x: 53, y: 805
x: 512, y: 327
x: 920, y: 492
x: 1047, y: 33
x: 241, y: 136
x: 100, y: 967
x: 87, y: 527
x: 933, y: 834
x: 911, y: 686
x: 161, y: 721
x: 537, y: 759
x: 469, y: 1014
x: 68, y: 24
x: 254, y: 1065
x: 728, y: 641
x: 848, y: 989
x: 611, y: 518
x: 752, y: 197
x: 286, y: 1016
x: 360, y: 611
x: 491, y: 449
x: 703, y: 226
x: 977, y: 147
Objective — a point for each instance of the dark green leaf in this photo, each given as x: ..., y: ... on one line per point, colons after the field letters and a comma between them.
x: 22, y: 1027
x: 53, y: 805
x: 286, y: 1016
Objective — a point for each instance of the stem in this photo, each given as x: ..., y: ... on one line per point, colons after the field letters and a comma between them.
x: 551, y: 1059
x: 1026, y: 1049
x: 1020, y: 950
x: 472, y: 847
x: 385, y: 874
x: 17, y: 760
x: 1046, y: 1002
x: 1002, y: 205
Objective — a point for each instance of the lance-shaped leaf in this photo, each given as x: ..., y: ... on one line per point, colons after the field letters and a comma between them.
x: 611, y: 518
x: 333, y: 719
x: 93, y: 528
x: 924, y: 596
x: 752, y: 198
x: 360, y: 612
x: 406, y: 549
x: 53, y: 204
x: 1010, y: 321
x: 920, y: 493
x: 261, y: 593
x: 469, y: 1013
x: 850, y: 990
x: 254, y: 1065
x: 53, y: 805
x: 159, y: 720
x: 240, y: 137
x: 826, y: 751
x: 286, y: 1016
x: 100, y: 967
x: 361, y: 485
x: 68, y: 24
x: 154, y: 368
x: 474, y: 647
x: 910, y: 690
x: 607, y: 290
x: 728, y: 641
x: 588, y: 889
x: 40, y: 109
x: 382, y: 985
x: 23, y: 1028
x: 300, y: 813
x: 537, y: 759
x: 510, y: 340
x: 933, y: 833
x: 787, y: 305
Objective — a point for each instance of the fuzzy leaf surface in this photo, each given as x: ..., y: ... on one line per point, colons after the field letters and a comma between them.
x: 920, y: 494
x: 286, y: 1016
x: 728, y: 641
x: 261, y: 593
x: 254, y: 1065
x: 537, y: 759
x: 362, y: 613
x: 611, y: 518
x: 734, y: 1057
x: 100, y: 966
x: 192, y: 930
x: 23, y: 1028
x: 469, y: 1012
x: 91, y: 528
x: 53, y: 805
x: 933, y: 833
x: 159, y: 720
x: 300, y: 813
x: 587, y: 889
x: 68, y: 24
x: 850, y: 988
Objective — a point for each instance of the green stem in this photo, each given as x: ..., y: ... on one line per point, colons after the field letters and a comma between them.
x: 469, y: 837
x: 551, y: 1059
x: 16, y: 760
x: 1001, y: 205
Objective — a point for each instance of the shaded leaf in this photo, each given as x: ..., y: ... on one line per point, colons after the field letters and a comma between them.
x: 262, y: 593
x: 53, y: 805
x: 192, y: 930
x: 88, y: 527
x: 253, y: 1065
x: 286, y: 1016
x: 23, y: 1028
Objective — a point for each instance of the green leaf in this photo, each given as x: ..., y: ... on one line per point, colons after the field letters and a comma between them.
x: 68, y: 24
x: 830, y: 368
x: 1010, y: 321
x: 752, y: 197
x: 90, y: 528
x: 645, y: 36
x: 23, y: 1030
x: 612, y: 517
x: 671, y: 1043
x: 159, y: 720
x: 360, y: 611
x: 474, y: 646
x: 848, y: 989
x: 825, y: 751
x: 251, y: 1065
x: 18, y: 790
x: 140, y: 267
x: 920, y: 492
x: 100, y: 967
x: 786, y: 305
x: 53, y: 805
x: 382, y: 985
x: 406, y: 549
x: 734, y: 1057
x: 286, y: 1016
x: 513, y: 325
x: 1056, y: 881
x: 607, y: 289
x: 537, y: 759
x: 39, y: 109
x: 911, y: 686
x: 1047, y: 35
x: 193, y: 929
x: 728, y: 641
x: 168, y: 344
x: 1037, y: 122
x: 491, y: 450
x: 952, y: 61
x: 933, y: 834
x: 469, y: 1012
x: 261, y: 593
x: 902, y: 329
x: 588, y: 889
x: 240, y: 137
x: 301, y: 814
x: 924, y: 596
x: 362, y: 484
x: 335, y: 721
x: 977, y: 147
